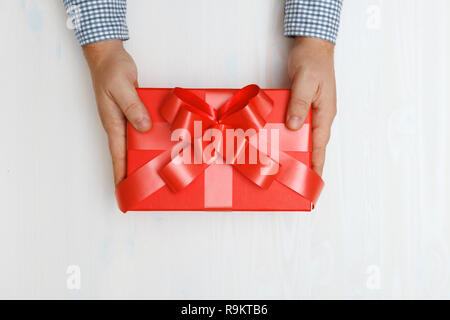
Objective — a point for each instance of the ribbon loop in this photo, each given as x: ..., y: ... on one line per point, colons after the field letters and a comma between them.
x: 184, y: 98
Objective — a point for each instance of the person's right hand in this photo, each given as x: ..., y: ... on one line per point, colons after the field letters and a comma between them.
x: 114, y: 77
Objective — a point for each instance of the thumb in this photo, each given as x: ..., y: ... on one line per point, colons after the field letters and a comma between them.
x: 302, y: 93
x: 128, y: 100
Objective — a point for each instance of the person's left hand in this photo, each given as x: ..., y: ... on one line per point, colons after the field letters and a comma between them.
x: 311, y: 70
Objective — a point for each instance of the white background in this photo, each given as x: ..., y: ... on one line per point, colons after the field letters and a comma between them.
x: 381, y: 229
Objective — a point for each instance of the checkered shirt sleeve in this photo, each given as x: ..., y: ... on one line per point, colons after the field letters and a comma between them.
x: 312, y: 18
x: 97, y: 20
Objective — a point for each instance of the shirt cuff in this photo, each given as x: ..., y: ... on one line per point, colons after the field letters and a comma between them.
x: 312, y: 18
x: 97, y: 20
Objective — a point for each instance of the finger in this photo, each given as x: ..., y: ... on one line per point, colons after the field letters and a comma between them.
x: 128, y: 100
x: 117, y: 147
x: 303, y: 91
x: 114, y: 123
x: 323, y: 113
x: 318, y: 159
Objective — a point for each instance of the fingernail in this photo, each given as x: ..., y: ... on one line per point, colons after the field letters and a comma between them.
x: 143, y: 124
x: 294, y: 122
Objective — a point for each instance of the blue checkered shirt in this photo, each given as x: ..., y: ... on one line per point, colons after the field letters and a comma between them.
x: 98, y: 20
x: 312, y: 18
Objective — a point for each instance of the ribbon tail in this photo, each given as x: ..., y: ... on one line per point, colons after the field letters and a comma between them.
x: 298, y: 177
x: 141, y: 184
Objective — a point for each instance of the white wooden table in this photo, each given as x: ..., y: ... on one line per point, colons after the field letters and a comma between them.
x: 381, y: 229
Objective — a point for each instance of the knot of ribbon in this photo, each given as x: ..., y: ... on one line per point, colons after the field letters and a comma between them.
x: 193, y: 121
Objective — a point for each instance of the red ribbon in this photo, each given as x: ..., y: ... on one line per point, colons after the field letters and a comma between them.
x: 247, y: 109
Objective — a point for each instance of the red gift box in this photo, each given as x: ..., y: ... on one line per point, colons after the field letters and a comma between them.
x: 155, y: 182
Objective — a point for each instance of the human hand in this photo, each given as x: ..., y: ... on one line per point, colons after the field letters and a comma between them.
x: 114, y: 78
x: 311, y: 70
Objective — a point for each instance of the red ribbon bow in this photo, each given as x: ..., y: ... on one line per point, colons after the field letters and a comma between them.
x: 246, y: 110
